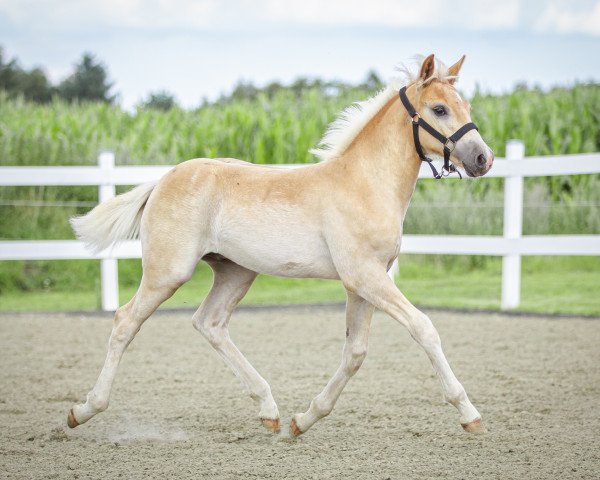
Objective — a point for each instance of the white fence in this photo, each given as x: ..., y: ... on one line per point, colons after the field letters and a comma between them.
x: 511, y: 246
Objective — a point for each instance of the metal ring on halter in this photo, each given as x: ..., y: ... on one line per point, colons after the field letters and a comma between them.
x: 417, y: 117
x: 451, y: 142
x: 446, y: 172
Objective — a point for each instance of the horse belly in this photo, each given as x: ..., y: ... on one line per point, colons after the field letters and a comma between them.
x: 275, y: 247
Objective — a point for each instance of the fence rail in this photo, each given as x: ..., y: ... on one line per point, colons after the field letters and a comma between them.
x: 511, y: 246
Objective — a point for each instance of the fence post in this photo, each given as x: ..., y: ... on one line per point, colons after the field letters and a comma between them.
x: 513, y: 227
x: 109, y: 274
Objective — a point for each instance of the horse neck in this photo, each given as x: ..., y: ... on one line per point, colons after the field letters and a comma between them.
x: 383, y: 155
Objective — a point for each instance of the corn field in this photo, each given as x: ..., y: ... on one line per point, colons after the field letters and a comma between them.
x: 281, y: 129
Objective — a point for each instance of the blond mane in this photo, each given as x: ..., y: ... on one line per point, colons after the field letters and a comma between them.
x: 353, y: 119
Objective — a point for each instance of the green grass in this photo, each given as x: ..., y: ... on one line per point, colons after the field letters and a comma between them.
x: 567, y: 285
x: 549, y: 285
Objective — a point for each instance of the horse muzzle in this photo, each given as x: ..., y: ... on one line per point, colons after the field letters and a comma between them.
x: 478, y: 162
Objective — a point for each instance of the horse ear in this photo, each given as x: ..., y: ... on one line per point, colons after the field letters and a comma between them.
x: 454, y: 69
x: 427, y: 68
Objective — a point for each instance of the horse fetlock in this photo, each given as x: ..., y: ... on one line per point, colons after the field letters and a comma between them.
x: 468, y: 413
x: 456, y: 397
x: 268, y: 407
x: 97, y: 404
x: 321, y: 407
x: 80, y: 414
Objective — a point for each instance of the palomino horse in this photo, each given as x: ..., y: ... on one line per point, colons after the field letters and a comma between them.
x: 338, y: 219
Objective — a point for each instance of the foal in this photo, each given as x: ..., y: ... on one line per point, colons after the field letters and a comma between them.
x: 338, y: 219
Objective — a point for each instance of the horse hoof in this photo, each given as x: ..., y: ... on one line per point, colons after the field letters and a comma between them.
x: 71, y: 420
x: 271, y: 424
x: 296, y: 432
x: 474, y: 427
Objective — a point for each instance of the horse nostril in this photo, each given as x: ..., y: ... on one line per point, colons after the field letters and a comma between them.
x: 481, y: 160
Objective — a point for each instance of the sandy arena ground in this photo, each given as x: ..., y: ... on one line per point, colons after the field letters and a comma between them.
x: 177, y: 411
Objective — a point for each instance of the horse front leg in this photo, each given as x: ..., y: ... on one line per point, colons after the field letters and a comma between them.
x: 372, y: 283
x: 358, y: 322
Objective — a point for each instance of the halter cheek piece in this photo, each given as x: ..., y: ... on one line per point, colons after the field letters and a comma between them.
x: 448, y: 142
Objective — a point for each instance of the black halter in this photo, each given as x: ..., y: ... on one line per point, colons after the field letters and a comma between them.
x: 448, y: 142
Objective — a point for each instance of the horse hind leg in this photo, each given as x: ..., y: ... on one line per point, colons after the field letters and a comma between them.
x: 230, y: 284
x: 158, y: 283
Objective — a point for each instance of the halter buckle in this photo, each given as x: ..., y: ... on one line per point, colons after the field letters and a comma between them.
x: 451, y: 143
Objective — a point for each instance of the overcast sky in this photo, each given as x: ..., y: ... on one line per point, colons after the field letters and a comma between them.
x: 201, y: 48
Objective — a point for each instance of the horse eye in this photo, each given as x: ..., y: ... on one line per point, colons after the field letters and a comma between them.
x: 440, y: 110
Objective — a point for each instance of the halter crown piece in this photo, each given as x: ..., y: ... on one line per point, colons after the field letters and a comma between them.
x: 448, y: 142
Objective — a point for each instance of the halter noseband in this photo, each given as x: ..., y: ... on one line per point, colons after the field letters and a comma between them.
x: 448, y: 142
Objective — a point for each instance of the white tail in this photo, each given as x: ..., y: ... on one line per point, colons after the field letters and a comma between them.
x: 114, y: 220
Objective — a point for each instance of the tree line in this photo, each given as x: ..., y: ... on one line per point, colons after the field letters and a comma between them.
x: 89, y: 82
